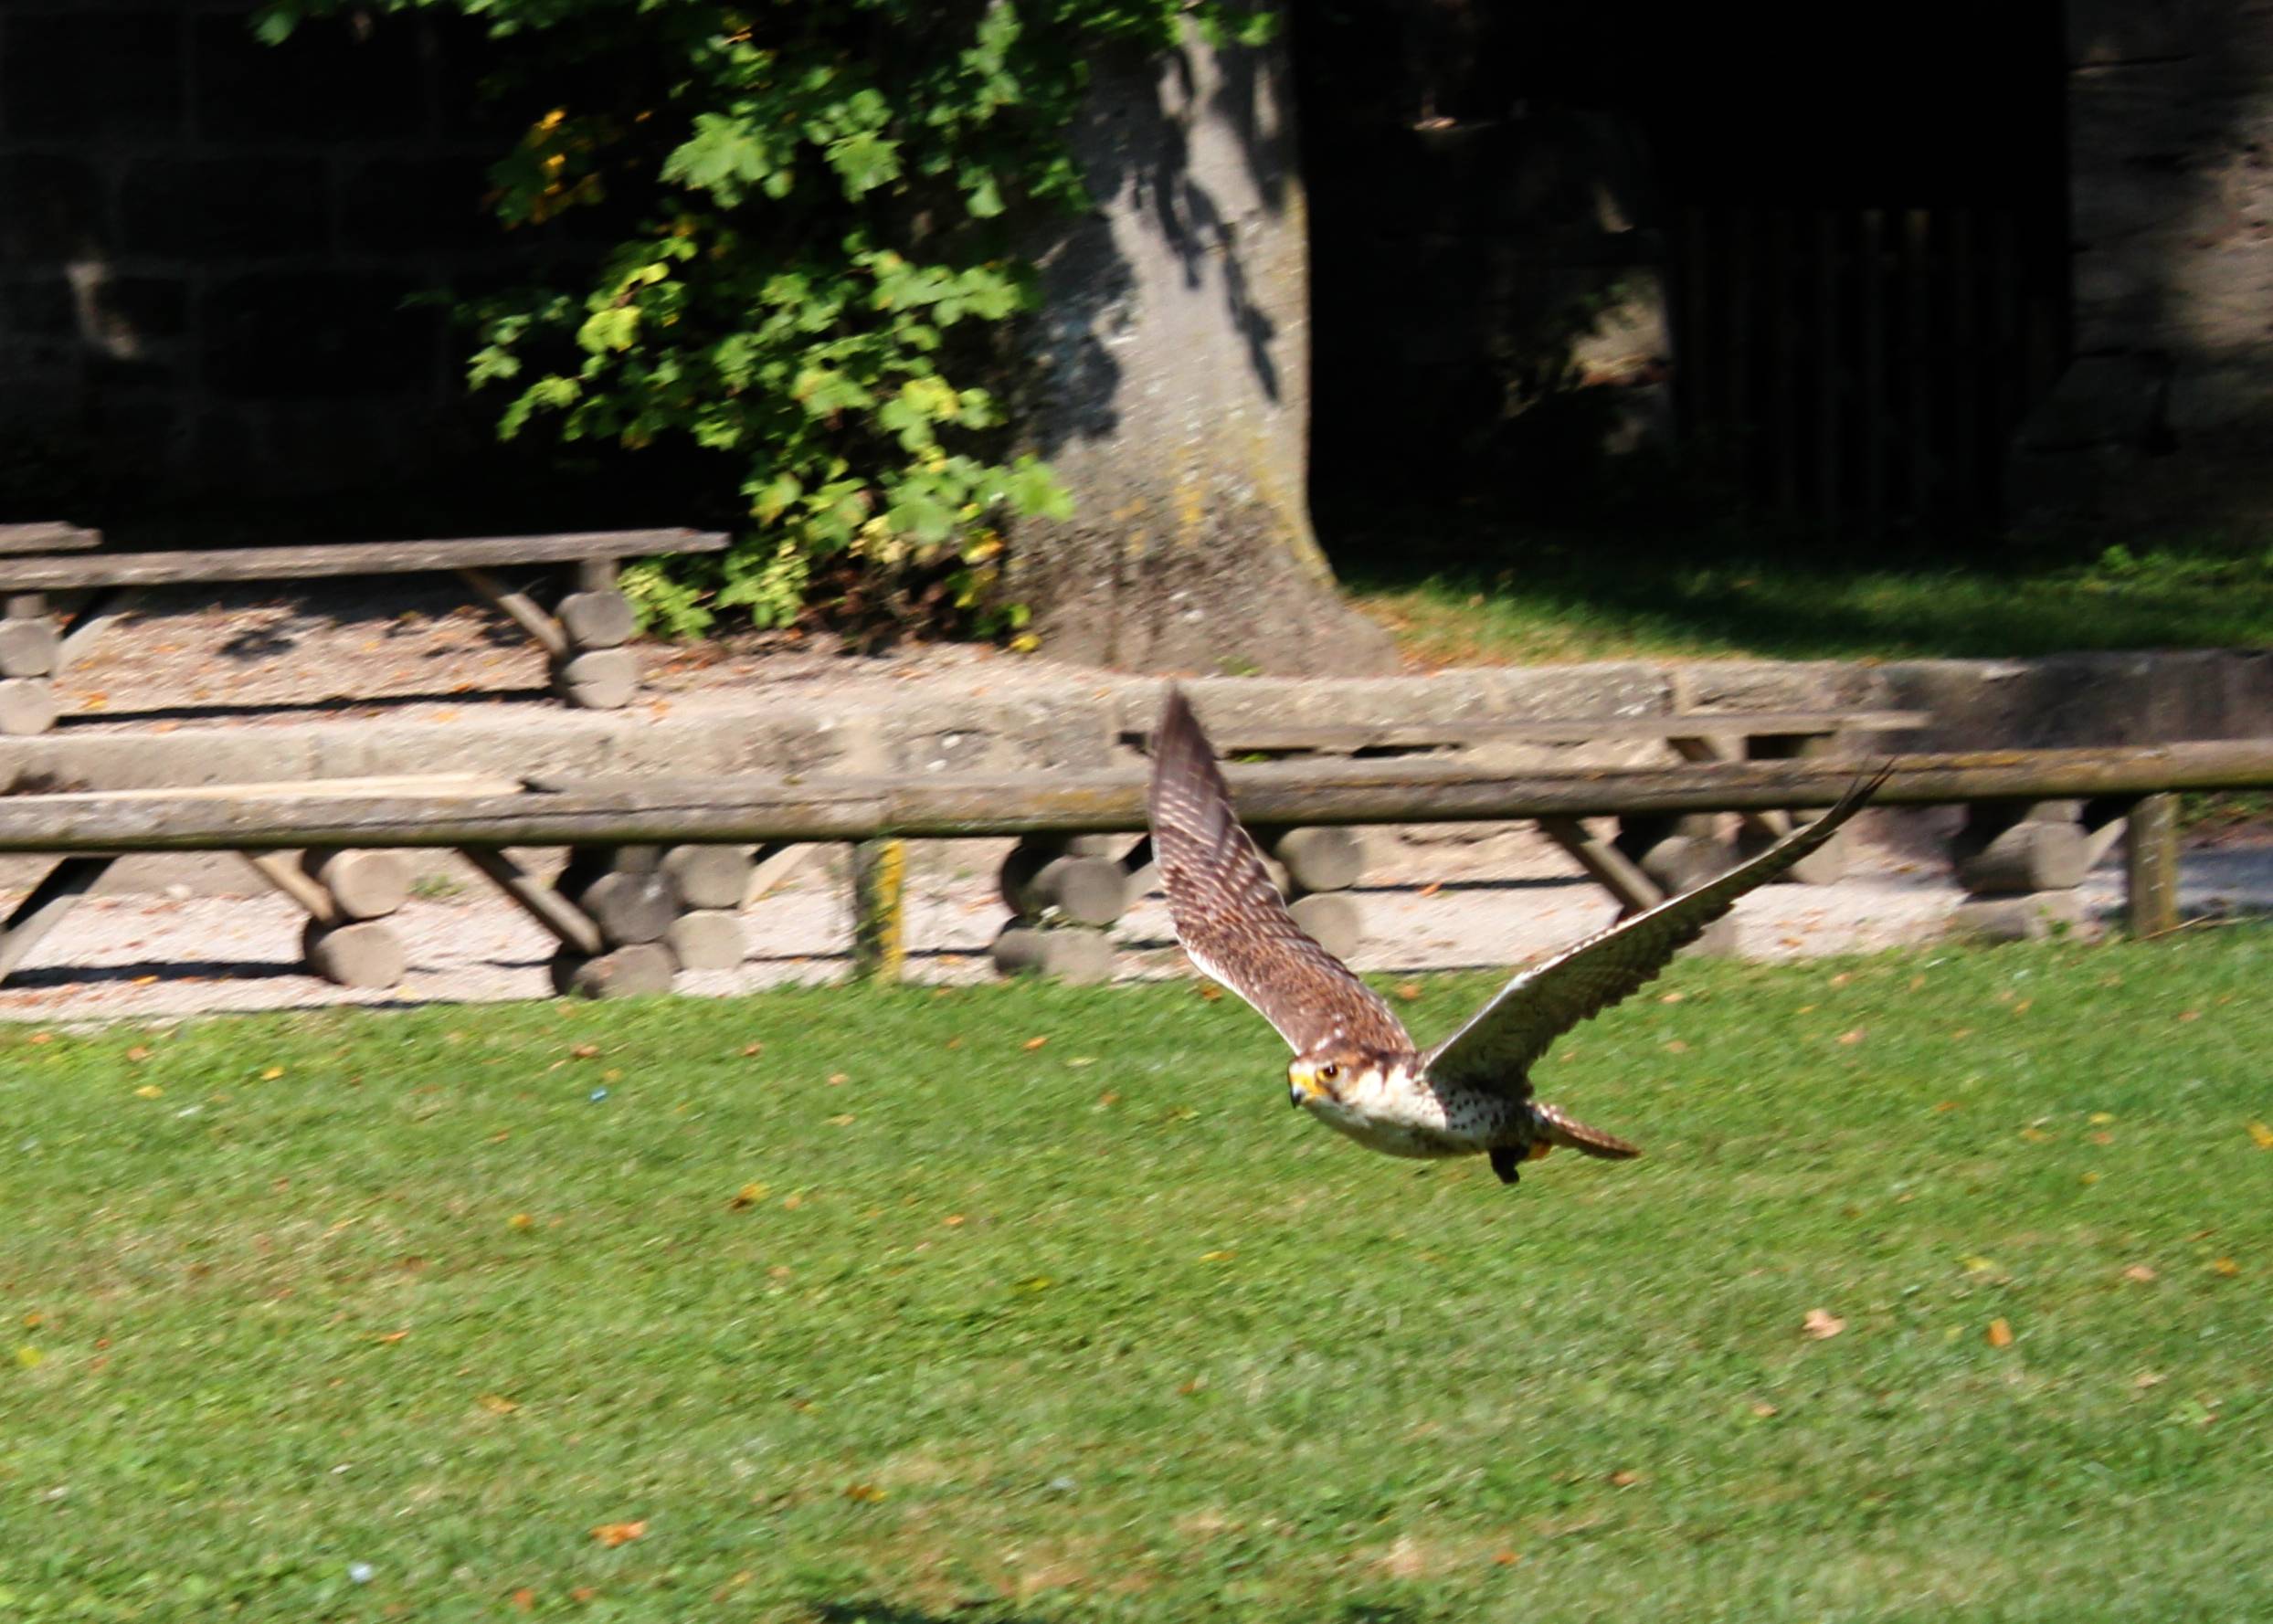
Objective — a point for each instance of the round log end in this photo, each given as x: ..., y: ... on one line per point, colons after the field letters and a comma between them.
x: 706, y: 939
x: 366, y: 953
x: 642, y: 970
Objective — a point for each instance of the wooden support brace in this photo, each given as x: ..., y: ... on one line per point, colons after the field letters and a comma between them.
x: 569, y: 924
x: 283, y: 870
x: 777, y: 861
x: 879, y: 918
x: 520, y: 608
x: 104, y: 608
x: 1609, y: 867
x: 2151, y: 851
x: 58, y: 893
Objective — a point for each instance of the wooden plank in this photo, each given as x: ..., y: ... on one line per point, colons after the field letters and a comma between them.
x: 751, y: 809
x: 879, y: 908
x: 443, y: 785
x: 2150, y: 854
x: 46, y: 538
x: 58, y: 893
x: 520, y: 608
x: 569, y: 924
x: 1235, y: 739
x: 1873, y: 318
x: 1831, y: 404
x: 343, y: 558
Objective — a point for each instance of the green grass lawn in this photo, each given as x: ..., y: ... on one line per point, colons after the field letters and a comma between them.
x: 1018, y: 1302
x: 1480, y: 593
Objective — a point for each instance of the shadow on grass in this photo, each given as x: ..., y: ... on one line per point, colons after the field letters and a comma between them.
x: 1467, y: 582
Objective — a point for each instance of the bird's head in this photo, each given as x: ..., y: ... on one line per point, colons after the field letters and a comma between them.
x: 1326, y: 1077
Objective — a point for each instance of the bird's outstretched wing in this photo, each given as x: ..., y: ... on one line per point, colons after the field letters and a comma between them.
x: 1502, y: 1040
x: 1229, y: 917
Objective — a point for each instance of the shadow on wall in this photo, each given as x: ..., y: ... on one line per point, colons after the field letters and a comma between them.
x: 1134, y: 143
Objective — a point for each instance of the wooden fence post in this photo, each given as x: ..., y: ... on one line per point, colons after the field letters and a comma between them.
x: 2151, y: 851
x: 879, y: 924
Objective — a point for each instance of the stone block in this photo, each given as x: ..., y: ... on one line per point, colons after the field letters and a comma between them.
x: 2099, y: 400
x: 317, y: 335
x: 239, y: 206
x: 416, y: 205
x: 100, y: 73
x: 38, y: 306
x: 323, y: 83
x: 55, y: 209
x: 131, y: 312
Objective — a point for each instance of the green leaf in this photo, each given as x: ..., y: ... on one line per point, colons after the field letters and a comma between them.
x: 617, y: 328
x: 727, y: 156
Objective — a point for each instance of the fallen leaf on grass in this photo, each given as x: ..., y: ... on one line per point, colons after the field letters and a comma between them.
x: 1210, y: 994
x: 863, y: 1493
x: 2149, y: 1378
x: 521, y: 1220
x: 749, y: 1195
x: 2262, y: 1136
x: 389, y: 1338
x: 612, y: 1535
x: 1408, y: 990
x: 523, y: 1599
x: 1853, y: 1038
x: 2225, y: 1266
x: 1821, y: 1324
x: 497, y: 1404
x: 149, y: 1091
x: 1622, y: 1479
x: 139, y: 1052
x: 2140, y: 1272
x: 2000, y: 1334
x: 1507, y: 1558
x: 1034, y: 1043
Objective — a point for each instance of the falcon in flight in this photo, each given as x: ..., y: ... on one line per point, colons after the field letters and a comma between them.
x: 1355, y: 1068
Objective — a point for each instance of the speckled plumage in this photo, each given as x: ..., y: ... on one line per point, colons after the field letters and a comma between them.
x: 1355, y: 1067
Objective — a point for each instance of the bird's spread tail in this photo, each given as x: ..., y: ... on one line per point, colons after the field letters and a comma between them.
x: 1558, y: 1129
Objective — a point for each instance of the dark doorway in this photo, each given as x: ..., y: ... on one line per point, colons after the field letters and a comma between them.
x: 1821, y: 254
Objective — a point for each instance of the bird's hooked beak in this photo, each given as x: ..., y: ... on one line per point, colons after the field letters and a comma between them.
x: 1303, y: 1084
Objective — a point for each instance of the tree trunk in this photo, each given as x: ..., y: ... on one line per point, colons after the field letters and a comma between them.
x: 1173, y: 360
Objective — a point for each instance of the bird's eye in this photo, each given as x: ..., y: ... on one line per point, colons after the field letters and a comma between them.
x: 1329, y: 1070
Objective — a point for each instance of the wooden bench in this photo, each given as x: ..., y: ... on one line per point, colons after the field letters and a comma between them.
x: 1653, y: 855
x: 582, y: 628
x: 46, y: 538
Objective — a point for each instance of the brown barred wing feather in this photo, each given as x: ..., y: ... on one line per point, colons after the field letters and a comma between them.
x: 1505, y: 1038
x: 1230, y: 917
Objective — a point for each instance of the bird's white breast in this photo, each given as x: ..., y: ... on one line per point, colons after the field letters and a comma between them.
x: 1398, y: 1113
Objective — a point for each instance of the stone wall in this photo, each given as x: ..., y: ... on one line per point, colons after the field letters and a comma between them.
x: 206, y: 245
x: 2161, y: 417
